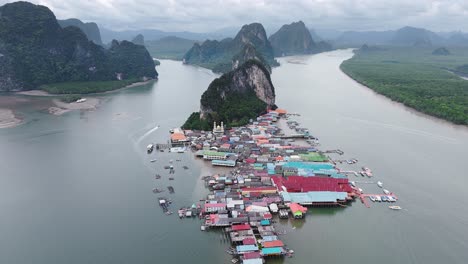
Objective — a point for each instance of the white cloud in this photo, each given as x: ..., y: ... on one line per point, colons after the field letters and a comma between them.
x: 209, y: 15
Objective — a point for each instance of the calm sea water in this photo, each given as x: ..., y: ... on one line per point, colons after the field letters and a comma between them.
x: 77, y: 188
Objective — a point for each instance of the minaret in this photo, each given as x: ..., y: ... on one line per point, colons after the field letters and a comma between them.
x: 214, y: 126
x: 222, y: 126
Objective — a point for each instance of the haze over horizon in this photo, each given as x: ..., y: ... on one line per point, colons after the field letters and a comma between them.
x: 205, y: 15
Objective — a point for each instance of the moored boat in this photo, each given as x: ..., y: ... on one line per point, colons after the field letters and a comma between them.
x: 149, y: 148
x: 386, y: 191
x: 394, y: 207
x: 380, y: 184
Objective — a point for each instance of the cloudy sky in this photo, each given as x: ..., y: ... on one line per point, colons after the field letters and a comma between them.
x: 210, y: 15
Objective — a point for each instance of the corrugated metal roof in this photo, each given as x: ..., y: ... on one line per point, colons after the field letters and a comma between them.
x: 253, y: 261
x: 271, y: 251
x: 313, y: 197
x: 246, y: 248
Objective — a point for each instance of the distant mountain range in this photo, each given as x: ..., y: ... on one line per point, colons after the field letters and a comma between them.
x: 154, y: 34
x: 219, y: 55
x: 406, y: 36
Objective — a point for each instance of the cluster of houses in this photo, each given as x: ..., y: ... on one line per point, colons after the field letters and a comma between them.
x: 273, y: 174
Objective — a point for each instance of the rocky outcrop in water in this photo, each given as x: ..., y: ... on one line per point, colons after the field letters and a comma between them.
x: 441, y: 52
x: 235, y: 97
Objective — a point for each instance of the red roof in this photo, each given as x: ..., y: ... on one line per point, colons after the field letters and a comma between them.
x: 267, y: 216
x: 312, y: 184
x: 240, y: 227
x: 252, y: 255
x: 249, y: 241
x: 297, y: 207
x: 274, y: 243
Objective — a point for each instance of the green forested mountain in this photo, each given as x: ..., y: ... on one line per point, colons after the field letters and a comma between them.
x: 235, y: 97
x: 35, y: 50
x: 295, y: 38
x: 218, y: 55
x: 90, y: 29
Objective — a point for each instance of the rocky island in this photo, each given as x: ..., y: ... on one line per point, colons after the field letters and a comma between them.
x: 219, y: 55
x: 295, y: 39
x: 235, y: 97
x: 36, y: 51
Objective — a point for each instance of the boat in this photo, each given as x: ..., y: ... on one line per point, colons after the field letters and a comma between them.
x: 378, y: 199
x: 380, y: 184
x: 353, y: 184
x: 384, y: 198
x: 360, y: 190
x: 149, y: 148
x: 372, y: 198
x: 386, y: 191
x: 81, y: 100
x: 153, y: 160
x: 367, y: 171
x: 157, y: 177
x: 171, y: 131
x: 394, y: 207
x: 171, y: 189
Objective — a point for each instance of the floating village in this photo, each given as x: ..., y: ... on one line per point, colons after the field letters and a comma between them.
x: 275, y: 170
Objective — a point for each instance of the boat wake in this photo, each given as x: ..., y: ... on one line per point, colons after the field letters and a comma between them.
x: 146, y: 134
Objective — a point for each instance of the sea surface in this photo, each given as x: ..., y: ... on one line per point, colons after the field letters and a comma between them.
x: 77, y: 188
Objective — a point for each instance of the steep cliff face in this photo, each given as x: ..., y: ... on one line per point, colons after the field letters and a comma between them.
x: 36, y: 51
x: 90, y: 29
x: 218, y: 55
x: 235, y: 97
x: 291, y: 39
x: 295, y: 38
x: 247, y: 53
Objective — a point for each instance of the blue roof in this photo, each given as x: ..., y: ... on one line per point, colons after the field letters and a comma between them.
x: 252, y: 261
x: 246, y: 248
x: 269, y: 238
x: 313, y: 197
x: 265, y: 222
x: 224, y: 162
x: 271, y: 251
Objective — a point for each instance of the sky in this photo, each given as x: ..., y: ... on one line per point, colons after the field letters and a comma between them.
x: 212, y: 15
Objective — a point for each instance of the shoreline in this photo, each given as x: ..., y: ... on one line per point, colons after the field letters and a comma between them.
x: 8, y: 119
x: 61, y: 108
x: 407, y: 107
x: 41, y: 93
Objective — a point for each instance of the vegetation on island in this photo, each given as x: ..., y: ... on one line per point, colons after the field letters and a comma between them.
x: 86, y: 87
x: 218, y: 55
x: 90, y: 29
x: 416, y: 78
x: 36, y: 51
x: 227, y: 100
